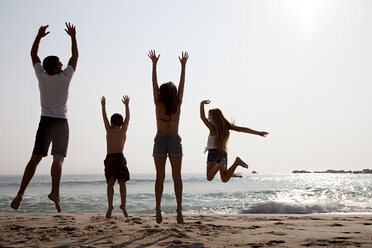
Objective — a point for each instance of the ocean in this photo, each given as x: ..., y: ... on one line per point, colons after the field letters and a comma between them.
x: 252, y: 194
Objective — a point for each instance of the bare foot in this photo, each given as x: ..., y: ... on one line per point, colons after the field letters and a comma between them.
x: 55, y: 198
x: 108, y: 213
x: 16, y: 202
x: 124, y: 211
x: 179, y: 217
x: 240, y: 162
x: 159, y: 218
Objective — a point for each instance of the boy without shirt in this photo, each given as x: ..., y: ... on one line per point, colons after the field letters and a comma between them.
x: 115, y: 162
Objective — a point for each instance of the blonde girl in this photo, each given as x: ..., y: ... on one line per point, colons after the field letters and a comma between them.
x: 219, y: 131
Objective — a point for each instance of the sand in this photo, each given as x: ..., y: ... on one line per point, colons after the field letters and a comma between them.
x: 141, y: 230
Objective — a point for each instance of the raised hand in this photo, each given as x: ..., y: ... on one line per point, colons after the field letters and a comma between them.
x: 125, y: 100
x: 184, y: 58
x: 205, y: 102
x: 70, y: 29
x: 42, y: 31
x: 103, y: 101
x: 153, y: 57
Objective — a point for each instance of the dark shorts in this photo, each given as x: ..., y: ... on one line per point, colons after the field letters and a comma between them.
x: 51, y: 130
x: 215, y: 156
x: 167, y: 145
x: 116, y: 166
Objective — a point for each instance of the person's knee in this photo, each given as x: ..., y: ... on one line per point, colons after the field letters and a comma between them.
x: 111, y: 182
x: 35, y: 160
x: 122, y: 183
x: 57, y: 159
x: 224, y: 180
x: 176, y: 177
x: 160, y: 176
x: 209, y: 177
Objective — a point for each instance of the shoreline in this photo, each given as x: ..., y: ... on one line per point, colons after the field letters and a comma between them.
x: 209, y: 230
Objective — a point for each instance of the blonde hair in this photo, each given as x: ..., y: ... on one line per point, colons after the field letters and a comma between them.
x: 221, y: 126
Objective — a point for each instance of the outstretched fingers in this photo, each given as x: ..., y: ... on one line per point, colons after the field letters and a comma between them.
x: 184, y: 57
x: 70, y: 29
x: 69, y: 25
x: 42, y: 31
x: 151, y: 53
x: 152, y: 56
x: 125, y: 99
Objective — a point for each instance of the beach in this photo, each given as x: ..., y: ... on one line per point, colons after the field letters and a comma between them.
x: 286, y: 210
x: 141, y: 230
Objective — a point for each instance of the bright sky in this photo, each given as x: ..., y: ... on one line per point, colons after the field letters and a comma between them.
x: 299, y: 69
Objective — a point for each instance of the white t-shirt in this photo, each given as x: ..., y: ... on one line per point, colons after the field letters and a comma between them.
x: 53, y: 91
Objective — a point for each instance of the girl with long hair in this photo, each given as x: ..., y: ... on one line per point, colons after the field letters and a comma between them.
x: 219, y: 132
x: 168, y: 100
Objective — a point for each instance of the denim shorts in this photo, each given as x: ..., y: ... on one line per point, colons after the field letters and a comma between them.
x: 167, y: 145
x: 215, y: 156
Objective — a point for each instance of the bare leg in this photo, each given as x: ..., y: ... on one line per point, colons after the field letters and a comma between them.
x: 226, y: 177
x: 123, y: 196
x: 212, y: 169
x: 27, y: 176
x: 223, y: 167
x: 56, y: 172
x: 110, y: 196
x: 159, y: 184
x: 176, y: 163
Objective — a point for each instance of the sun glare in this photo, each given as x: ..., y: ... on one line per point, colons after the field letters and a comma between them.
x: 308, y: 13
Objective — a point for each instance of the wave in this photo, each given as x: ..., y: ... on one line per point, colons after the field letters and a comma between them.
x: 286, y: 208
x: 145, y: 203
x: 268, y: 195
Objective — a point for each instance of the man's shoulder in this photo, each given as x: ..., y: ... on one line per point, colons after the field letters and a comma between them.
x: 38, y: 68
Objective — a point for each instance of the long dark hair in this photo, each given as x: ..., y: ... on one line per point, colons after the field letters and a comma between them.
x: 168, y: 95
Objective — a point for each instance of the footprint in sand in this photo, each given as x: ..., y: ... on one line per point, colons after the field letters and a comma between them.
x: 275, y: 242
x: 253, y: 227
x: 89, y: 228
x: 279, y: 223
x: 16, y: 227
x: 277, y: 233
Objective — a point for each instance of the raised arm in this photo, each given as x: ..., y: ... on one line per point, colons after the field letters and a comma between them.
x: 248, y: 130
x: 71, y: 31
x: 181, y: 86
x: 104, y: 115
x: 155, y: 87
x: 125, y: 101
x: 35, y: 47
x: 202, y: 116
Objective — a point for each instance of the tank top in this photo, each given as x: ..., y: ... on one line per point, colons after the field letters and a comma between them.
x: 211, y: 143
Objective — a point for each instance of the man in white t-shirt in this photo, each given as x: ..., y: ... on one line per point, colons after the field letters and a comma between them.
x: 53, y: 126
